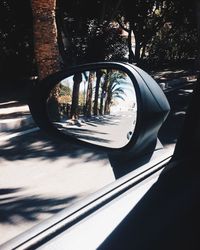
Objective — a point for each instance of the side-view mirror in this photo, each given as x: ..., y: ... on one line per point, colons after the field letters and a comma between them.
x: 115, y: 106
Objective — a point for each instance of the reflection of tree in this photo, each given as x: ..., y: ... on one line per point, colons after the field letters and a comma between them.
x: 53, y: 103
x: 88, y: 108
x: 65, y: 100
x: 111, y: 89
x: 114, y: 90
x: 103, y: 92
x: 104, y: 87
x: 99, y: 74
x: 65, y: 91
x: 75, y: 95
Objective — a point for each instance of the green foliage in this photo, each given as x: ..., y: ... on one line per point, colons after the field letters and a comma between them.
x: 157, y: 25
x: 177, y: 39
x: 91, y: 30
x: 65, y: 90
x: 89, y: 33
x: 16, y: 41
x: 104, y: 43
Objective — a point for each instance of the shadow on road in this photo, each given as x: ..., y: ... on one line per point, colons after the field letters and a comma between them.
x: 15, y: 206
x: 40, y: 145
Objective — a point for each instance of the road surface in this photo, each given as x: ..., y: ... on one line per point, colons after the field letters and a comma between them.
x: 39, y: 177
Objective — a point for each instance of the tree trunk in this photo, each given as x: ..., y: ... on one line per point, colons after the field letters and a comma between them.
x: 75, y: 95
x: 45, y: 37
x: 143, y: 52
x: 46, y: 47
x: 89, y: 95
x: 107, y: 105
x: 104, y: 94
x: 102, y: 102
x: 137, y: 50
x: 96, y: 98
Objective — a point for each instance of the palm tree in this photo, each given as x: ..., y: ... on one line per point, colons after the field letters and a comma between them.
x: 45, y: 37
x: 104, y: 88
x: 88, y: 109
x: 75, y: 95
x: 46, y: 47
x: 114, y: 89
x: 99, y: 74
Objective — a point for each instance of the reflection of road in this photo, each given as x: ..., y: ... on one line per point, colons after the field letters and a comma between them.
x: 109, y: 131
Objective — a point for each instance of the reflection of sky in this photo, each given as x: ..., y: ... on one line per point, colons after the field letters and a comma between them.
x: 69, y: 82
x: 129, y: 97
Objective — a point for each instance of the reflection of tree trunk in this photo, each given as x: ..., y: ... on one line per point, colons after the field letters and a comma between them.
x: 103, y: 94
x: 107, y: 105
x: 53, y: 104
x: 88, y: 111
x: 75, y: 95
x: 101, y: 103
x: 96, y: 98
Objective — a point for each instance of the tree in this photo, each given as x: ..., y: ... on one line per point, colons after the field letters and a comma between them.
x: 99, y: 74
x: 87, y: 34
x: 104, y: 89
x: 75, y: 95
x: 153, y: 21
x: 16, y: 46
x: 143, y: 20
x: 88, y: 108
x: 114, y: 89
x: 45, y: 37
x: 46, y: 47
x: 176, y: 40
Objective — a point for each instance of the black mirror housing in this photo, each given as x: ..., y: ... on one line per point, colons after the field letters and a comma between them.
x: 152, y: 107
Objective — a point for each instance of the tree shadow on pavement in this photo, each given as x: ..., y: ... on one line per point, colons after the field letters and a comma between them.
x: 40, y: 145
x: 14, y: 206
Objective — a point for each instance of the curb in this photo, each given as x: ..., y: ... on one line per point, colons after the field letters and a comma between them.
x: 15, y: 117
x: 175, y: 84
x: 16, y: 123
x: 13, y: 135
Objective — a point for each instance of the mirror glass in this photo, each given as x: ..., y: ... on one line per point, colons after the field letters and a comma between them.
x: 98, y: 107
